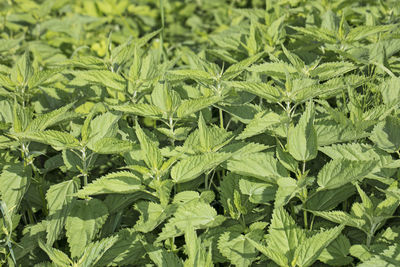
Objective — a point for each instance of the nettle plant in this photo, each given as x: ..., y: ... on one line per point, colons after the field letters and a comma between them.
x: 203, y: 133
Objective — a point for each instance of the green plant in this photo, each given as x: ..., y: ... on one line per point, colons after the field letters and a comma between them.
x: 199, y: 133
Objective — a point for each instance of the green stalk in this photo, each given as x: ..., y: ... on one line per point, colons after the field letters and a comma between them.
x: 162, y: 30
x: 221, y: 119
x: 3, y: 213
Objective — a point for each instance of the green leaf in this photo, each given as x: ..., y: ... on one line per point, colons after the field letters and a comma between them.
x: 22, y: 70
x: 164, y: 98
x: 112, y: 183
x: 58, y: 257
x: 14, y: 182
x: 164, y: 258
x: 191, y: 106
x: 95, y: 251
x: 261, y: 122
x: 192, y: 167
x: 263, y: 166
x: 196, y: 250
x: 152, y: 215
x: 185, y: 74
x: 317, y: 34
x: 337, y: 173
x: 275, y: 69
x: 329, y: 199
x: 44, y: 121
x: 150, y: 151
x: 263, y: 90
x: 30, y: 240
x: 259, y: 193
x: 234, y: 204
x: 329, y: 132
x: 287, y: 189
x: 302, y: 139
x: 101, y: 77
x: 286, y: 159
x: 237, y: 68
x: 331, y: 70
x: 310, y: 249
x: 210, y: 139
x: 111, y: 145
x: 337, y: 253
x: 386, y: 134
x: 342, y: 218
x: 144, y: 110
x: 83, y: 222
x: 59, y: 198
x: 237, y: 249
x: 362, y: 32
x: 45, y: 77
x: 284, y: 236
x: 128, y: 249
x: 58, y: 140
x: 104, y: 125
x: 390, y: 257
x: 196, y: 213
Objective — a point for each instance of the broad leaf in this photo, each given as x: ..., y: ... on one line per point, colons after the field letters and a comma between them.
x: 83, y: 222
x: 339, y: 172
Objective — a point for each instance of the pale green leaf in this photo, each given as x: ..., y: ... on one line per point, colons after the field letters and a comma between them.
x: 40, y: 123
x: 339, y: 172
x: 361, y: 32
x: 193, y: 166
x: 139, y: 109
x: 112, y: 183
x: 164, y: 258
x: 191, y: 106
x: 14, y: 182
x: 95, y: 251
x: 58, y: 257
x: 104, y: 125
x: 58, y: 140
x: 83, y: 222
x: 261, y: 122
x: 258, y: 192
x: 237, y: 249
x: 342, y: 218
x: 196, y: 213
x: 302, y: 139
x: 100, y: 77
x: 284, y: 236
x: 186, y: 74
x: 263, y: 166
x: 111, y: 145
x: 386, y: 134
x: 310, y: 249
x: 237, y: 68
x: 128, y: 249
x: 150, y: 151
x: 59, y: 198
x: 330, y: 70
x: 151, y: 215
x: 263, y: 90
x: 337, y: 253
x: 275, y: 69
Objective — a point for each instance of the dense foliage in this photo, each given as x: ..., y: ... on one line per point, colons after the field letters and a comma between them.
x: 199, y: 133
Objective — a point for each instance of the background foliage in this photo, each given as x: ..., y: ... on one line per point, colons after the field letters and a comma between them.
x: 199, y: 133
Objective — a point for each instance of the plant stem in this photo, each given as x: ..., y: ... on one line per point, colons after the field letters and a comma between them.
x: 162, y: 30
x: 206, y: 182
x: 85, y: 176
x: 221, y: 119
x: 305, y: 219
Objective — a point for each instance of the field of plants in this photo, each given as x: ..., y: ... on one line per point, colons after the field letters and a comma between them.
x: 182, y: 133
